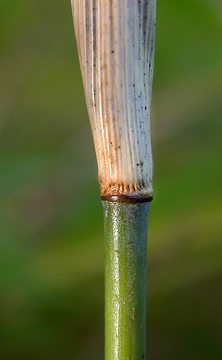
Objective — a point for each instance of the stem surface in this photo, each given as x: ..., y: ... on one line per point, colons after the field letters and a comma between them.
x: 125, y: 280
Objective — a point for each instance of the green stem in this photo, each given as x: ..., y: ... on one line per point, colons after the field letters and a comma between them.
x: 125, y: 279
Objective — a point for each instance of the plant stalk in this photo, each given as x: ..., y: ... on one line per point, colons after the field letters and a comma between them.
x: 116, y: 41
x: 125, y: 279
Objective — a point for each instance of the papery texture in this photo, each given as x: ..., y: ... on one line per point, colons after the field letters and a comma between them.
x: 115, y: 40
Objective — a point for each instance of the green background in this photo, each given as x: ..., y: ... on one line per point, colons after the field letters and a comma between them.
x: 51, y: 220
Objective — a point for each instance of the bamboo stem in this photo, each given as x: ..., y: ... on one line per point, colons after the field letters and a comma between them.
x: 125, y: 279
x: 115, y: 41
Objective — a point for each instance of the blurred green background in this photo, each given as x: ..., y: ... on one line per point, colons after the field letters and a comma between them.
x: 51, y: 220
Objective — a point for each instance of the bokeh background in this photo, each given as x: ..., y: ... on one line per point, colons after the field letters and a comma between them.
x: 51, y: 220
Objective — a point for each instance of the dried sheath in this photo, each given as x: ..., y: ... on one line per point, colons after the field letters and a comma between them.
x: 115, y: 40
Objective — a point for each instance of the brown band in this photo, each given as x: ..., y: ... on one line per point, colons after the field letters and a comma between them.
x: 132, y: 199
